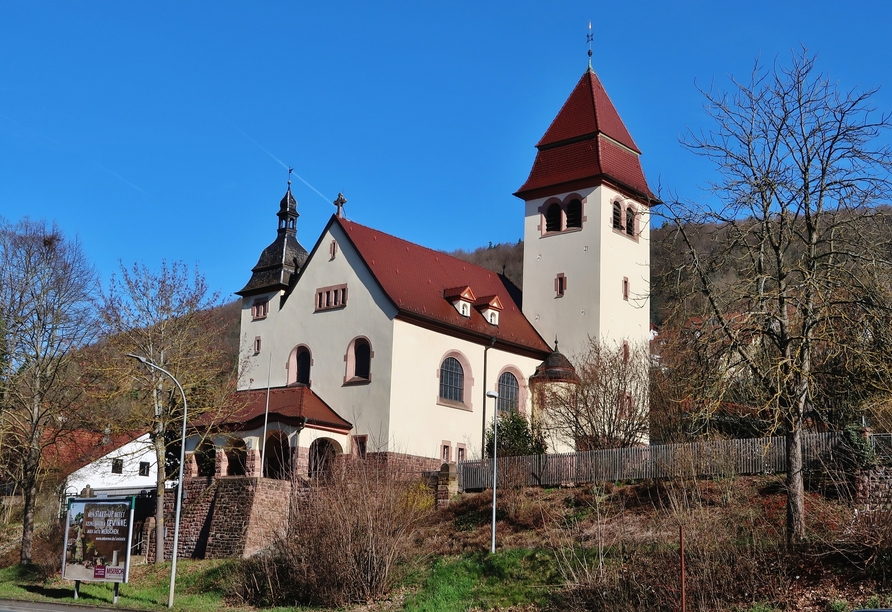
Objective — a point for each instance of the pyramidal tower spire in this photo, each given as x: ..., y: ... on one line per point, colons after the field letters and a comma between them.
x: 288, y: 211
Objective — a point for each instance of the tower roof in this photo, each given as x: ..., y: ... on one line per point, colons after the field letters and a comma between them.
x: 586, y: 144
x: 280, y: 262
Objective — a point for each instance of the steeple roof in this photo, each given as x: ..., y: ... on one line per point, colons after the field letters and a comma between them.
x: 282, y: 260
x: 586, y: 144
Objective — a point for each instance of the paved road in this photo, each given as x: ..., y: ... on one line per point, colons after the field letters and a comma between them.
x: 25, y: 606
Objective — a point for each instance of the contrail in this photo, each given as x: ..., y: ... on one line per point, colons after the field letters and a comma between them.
x: 280, y: 162
x: 58, y: 145
x: 113, y: 173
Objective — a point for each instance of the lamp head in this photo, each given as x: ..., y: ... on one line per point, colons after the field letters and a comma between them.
x: 492, y: 394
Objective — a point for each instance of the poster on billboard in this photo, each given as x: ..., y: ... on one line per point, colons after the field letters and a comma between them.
x: 97, y: 539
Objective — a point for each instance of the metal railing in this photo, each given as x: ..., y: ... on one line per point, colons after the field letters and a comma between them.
x: 710, y: 459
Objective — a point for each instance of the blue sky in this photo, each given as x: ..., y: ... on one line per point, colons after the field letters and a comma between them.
x: 155, y: 130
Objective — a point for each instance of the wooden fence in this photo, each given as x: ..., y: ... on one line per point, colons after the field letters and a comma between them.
x: 710, y: 459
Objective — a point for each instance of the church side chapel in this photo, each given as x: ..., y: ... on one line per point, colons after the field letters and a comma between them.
x: 369, y: 344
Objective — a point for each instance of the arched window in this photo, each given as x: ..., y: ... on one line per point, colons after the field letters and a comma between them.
x: 630, y: 221
x: 359, y: 361
x: 617, y: 216
x: 363, y: 351
x: 574, y: 214
x: 553, y: 218
x: 452, y: 380
x: 303, y: 365
x: 509, y: 393
x: 300, y: 362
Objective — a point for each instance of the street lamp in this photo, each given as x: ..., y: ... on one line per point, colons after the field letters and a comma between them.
x: 495, y: 453
x: 159, y: 546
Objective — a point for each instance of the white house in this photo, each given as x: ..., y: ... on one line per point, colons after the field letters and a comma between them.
x: 122, y: 465
x: 393, y: 346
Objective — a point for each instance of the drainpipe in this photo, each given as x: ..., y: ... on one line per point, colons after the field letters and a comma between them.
x: 492, y: 343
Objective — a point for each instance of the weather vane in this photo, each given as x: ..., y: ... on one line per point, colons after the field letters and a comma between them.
x: 590, y: 37
x: 290, y: 170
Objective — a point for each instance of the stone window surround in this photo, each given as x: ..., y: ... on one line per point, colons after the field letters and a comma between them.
x: 543, y: 210
x: 468, y: 382
x: 350, y: 377
x: 624, y: 205
x: 523, y: 391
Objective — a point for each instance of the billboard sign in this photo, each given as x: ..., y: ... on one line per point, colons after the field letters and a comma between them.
x: 97, y: 539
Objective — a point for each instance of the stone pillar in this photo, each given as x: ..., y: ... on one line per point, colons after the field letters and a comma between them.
x: 190, y: 469
x: 221, y: 463
x: 252, y: 463
x: 447, y: 484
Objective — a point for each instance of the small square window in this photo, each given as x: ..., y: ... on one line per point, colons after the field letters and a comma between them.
x: 460, y: 453
x: 143, y: 468
x: 446, y: 453
x: 257, y: 344
x: 117, y: 466
x: 625, y: 288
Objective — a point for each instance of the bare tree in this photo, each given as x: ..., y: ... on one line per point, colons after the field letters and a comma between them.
x: 798, y: 245
x: 608, y: 407
x: 46, y: 314
x: 167, y: 316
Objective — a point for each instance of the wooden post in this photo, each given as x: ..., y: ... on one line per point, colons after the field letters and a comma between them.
x: 684, y: 606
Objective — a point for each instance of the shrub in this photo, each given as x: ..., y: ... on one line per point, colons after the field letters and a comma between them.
x: 343, y: 540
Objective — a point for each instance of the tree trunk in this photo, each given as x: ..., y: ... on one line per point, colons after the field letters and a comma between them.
x: 30, y: 499
x: 795, y: 486
x: 159, y: 498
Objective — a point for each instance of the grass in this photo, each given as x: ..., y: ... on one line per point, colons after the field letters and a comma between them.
x: 200, y: 587
x: 508, y: 578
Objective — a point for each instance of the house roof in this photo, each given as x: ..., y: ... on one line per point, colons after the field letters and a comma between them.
x: 72, y: 450
x: 286, y: 405
x: 586, y: 143
x: 420, y: 282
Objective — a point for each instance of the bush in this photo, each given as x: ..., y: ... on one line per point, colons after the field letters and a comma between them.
x: 343, y: 540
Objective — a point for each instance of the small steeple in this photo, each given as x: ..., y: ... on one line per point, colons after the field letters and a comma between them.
x: 288, y: 211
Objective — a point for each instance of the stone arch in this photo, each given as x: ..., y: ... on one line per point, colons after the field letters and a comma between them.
x: 323, y: 452
x: 206, y: 457
x: 277, y: 456
x: 237, y: 457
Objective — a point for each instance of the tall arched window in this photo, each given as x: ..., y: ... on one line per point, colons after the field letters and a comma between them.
x: 553, y: 218
x: 300, y: 361
x: 359, y: 361
x: 509, y: 393
x: 303, y: 365
x: 452, y: 380
x: 363, y: 354
x: 630, y: 221
x: 574, y: 214
x: 617, y: 216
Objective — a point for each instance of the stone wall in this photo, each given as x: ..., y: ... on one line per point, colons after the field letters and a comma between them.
x: 873, y: 488
x: 234, y: 516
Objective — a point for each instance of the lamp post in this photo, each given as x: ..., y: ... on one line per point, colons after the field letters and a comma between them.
x: 159, y: 546
x: 495, y: 453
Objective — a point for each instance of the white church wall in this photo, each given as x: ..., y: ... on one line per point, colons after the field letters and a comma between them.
x: 420, y: 421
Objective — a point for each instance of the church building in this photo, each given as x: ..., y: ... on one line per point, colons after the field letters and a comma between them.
x: 371, y: 344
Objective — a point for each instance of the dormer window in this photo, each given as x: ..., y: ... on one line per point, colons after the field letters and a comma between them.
x: 461, y: 299
x: 489, y: 306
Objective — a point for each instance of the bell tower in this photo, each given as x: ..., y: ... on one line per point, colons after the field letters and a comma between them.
x: 586, y: 263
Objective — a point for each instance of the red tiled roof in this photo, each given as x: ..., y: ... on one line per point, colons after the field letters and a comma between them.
x: 286, y: 405
x: 72, y: 450
x: 581, y: 145
x: 416, y: 279
x: 588, y: 110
